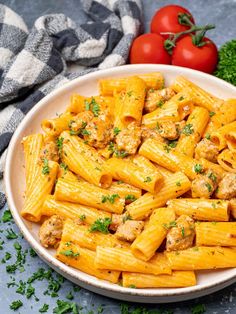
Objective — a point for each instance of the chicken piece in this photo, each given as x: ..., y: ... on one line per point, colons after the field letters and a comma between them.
x: 227, y: 187
x: 50, y: 152
x: 151, y: 133
x: 156, y: 98
x: 129, y: 230
x: 206, y: 149
x: 129, y: 139
x: 181, y: 236
x: 50, y: 231
x: 116, y: 221
x: 168, y: 130
x: 205, y: 184
x: 232, y: 206
x: 98, y: 133
x: 81, y: 120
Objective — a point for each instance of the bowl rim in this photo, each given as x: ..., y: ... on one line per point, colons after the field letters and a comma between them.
x: 44, y: 253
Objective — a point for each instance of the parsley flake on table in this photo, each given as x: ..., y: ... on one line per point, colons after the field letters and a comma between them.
x: 188, y: 129
x: 65, y: 307
x: 44, y: 308
x: 101, y: 225
x: 7, y: 216
x: 16, y: 305
x: 198, y: 309
x: 11, y: 234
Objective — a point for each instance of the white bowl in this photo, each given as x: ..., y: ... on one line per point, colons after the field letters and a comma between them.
x: 56, y: 102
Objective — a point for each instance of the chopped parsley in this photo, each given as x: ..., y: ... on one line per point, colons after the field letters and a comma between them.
x: 11, y: 234
x: 73, y: 132
x: 178, y: 183
x: 93, y: 106
x: 160, y: 103
x: 167, y: 148
x: 16, y: 305
x: 82, y: 217
x: 65, y: 307
x: 110, y: 198
x: 85, y: 132
x: 119, y: 182
x: 148, y: 179
x: 209, y: 187
x: 132, y: 286
x: 130, y: 93
x: 44, y: 308
x: 126, y: 217
x: 116, y: 131
x: 188, y: 129
x: 63, y: 166
x: 46, y: 169
x: 70, y: 296
x: 181, y: 98
x: 208, y: 136
x: 213, y: 177
x: 121, y: 153
x: 101, y: 225
x: 170, y: 225
x: 198, y: 309
x: 59, y: 144
x: 7, y: 216
x: 172, y: 144
x: 198, y: 168
x: 212, y: 113
x: 130, y: 197
x: 111, y: 147
x: 183, y: 232
x: 69, y: 253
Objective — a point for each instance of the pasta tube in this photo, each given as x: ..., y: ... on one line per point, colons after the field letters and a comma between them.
x: 122, y: 259
x: 175, y: 109
x: 231, y: 140
x: 197, y: 122
x: 32, y: 148
x: 84, y: 160
x: 54, y: 127
x: 146, y: 244
x: 118, y: 108
x: 129, y: 172
x: 174, y: 186
x: 43, y: 184
x: 216, y: 233
x: 176, y: 280
x: 225, y: 114
x: 73, y: 211
x: 201, y: 257
x: 153, y: 80
x: 124, y: 190
x: 219, y: 136
x: 87, y: 194
x: 201, y: 209
x: 200, y: 97
x: 227, y: 160
x: 84, y: 260
x: 133, y: 100
x: 172, y: 160
x: 80, y: 235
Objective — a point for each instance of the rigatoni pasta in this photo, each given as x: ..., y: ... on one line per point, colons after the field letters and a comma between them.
x: 136, y: 185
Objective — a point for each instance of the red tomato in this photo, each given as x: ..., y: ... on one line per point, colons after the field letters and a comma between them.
x: 149, y: 48
x: 186, y: 54
x: 165, y: 20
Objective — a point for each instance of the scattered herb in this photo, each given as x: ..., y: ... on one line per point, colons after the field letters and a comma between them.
x: 130, y: 93
x: 44, y: 308
x: 119, y: 182
x: 69, y: 253
x: 69, y: 296
x: 132, y: 286
x: 7, y: 216
x: 211, y: 113
x: 170, y: 225
x: 11, y: 234
x: 183, y: 232
x: 130, y: 197
x: 167, y: 148
x: 209, y: 187
x: 208, y: 136
x: 121, y: 153
x: 73, y: 132
x: 63, y: 166
x: 32, y: 253
x: 198, y: 168
x: 16, y: 305
x: 172, y: 144
x: 111, y: 147
x: 181, y: 98
x: 82, y: 217
x: 110, y: 198
x: 198, y: 309
x: 46, y: 169
x: 213, y: 177
x: 188, y: 129
x: 59, y: 144
x: 85, y: 132
x: 30, y: 291
x: 148, y: 179
x: 65, y: 307
x: 101, y: 225
x: 116, y: 131
x: 126, y: 217
x: 160, y: 103
x: 178, y: 183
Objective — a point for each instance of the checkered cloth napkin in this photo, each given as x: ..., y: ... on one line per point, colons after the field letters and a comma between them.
x: 34, y: 63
